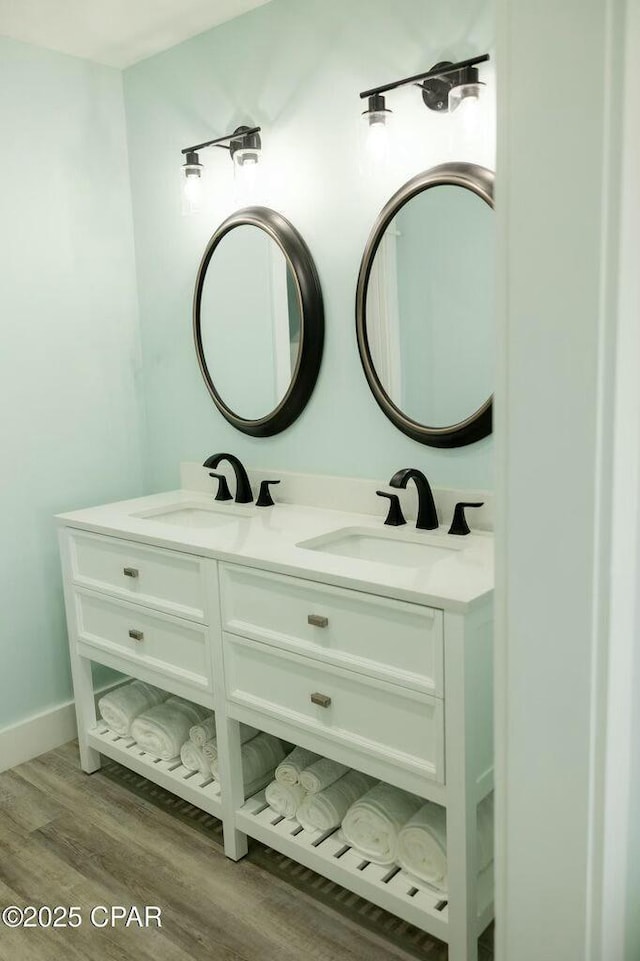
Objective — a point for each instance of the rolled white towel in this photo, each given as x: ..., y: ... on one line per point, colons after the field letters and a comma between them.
x: 201, y: 733
x: 210, y: 747
x: 161, y: 731
x: 259, y: 784
x: 260, y: 757
x: 373, y: 823
x: 422, y: 844
x: 193, y: 758
x: 285, y: 799
x: 289, y: 771
x: 321, y: 774
x: 326, y: 809
x: 120, y: 707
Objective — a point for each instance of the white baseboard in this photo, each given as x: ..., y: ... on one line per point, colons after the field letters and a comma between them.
x: 23, y: 741
x: 36, y: 735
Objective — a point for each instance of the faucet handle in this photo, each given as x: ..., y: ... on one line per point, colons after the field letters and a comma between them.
x: 395, y: 517
x: 459, y: 523
x: 224, y: 494
x: 264, y: 497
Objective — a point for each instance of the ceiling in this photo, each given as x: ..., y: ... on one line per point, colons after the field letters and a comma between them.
x: 114, y: 32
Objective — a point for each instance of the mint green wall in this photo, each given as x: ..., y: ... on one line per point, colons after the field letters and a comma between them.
x: 74, y: 431
x: 295, y: 68
x: 69, y: 432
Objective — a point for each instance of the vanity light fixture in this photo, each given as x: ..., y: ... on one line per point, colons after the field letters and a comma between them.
x: 377, y: 117
x: 377, y: 112
x: 444, y: 87
x: 244, y: 146
x: 192, y: 186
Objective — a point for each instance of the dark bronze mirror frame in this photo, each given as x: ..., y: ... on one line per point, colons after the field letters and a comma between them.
x: 305, y: 374
x: 479, y: 423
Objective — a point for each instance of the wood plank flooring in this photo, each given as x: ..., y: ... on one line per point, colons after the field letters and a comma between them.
x: 70, y: 839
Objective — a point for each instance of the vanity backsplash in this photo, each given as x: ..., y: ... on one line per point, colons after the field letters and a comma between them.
x: 347, y: 493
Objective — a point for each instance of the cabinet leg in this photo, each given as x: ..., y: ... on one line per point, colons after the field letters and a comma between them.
x: 461, y: 948
x: 235, y: 843
x: 90, y: 759
x: 462, y: 873
x: 231, y: 777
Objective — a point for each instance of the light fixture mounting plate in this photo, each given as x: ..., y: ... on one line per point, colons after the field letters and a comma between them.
x: 435, y: 90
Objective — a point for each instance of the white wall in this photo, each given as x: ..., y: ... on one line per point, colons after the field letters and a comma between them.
x: 617, y: 920
x: 558, y: 175
x: 70, y: 428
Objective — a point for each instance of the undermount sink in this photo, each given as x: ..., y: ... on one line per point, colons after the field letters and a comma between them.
x: 383, y: 547
x: 194, y: 515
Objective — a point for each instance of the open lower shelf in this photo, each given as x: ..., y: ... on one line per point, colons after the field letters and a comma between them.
x: 327, y: 854
x: 189, y: 785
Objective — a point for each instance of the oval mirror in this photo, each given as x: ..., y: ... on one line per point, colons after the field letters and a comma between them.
x: 425, y: 306
x: 258, y: 321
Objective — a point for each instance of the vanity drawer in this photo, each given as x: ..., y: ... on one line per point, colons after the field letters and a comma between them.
x: 365, y: 715
x: 373, y: 635
x: 165, y: 580
x: 164, y: 645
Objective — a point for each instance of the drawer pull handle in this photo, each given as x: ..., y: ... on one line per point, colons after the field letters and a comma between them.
x: 322, y: 700
x: 136, y: 635
x: 130, y: 572
x: 318, y: 620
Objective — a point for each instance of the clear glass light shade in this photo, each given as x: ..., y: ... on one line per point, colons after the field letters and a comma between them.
x: 192, y: 189
x: 246, y: 156
x: 245, y: 173
x: 377, y: 135
x: 467, y: 94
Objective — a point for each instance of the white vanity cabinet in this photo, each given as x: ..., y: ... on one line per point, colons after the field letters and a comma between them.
x: 148, y: 613
x: 399, y: 689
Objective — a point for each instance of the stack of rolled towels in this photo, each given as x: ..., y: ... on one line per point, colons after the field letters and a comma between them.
x: 261, y: 755
x: 386, y: 825
x: 192, y: 753
x: 169, y: 727
x: 160, y: 723
x: 120, y: 707
x: 162, y: 730
x: 315, y: 790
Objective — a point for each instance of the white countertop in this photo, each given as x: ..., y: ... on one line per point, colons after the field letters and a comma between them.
x: 268, y: 538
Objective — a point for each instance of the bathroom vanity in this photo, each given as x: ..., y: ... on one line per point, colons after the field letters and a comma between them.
x: 322, y: 627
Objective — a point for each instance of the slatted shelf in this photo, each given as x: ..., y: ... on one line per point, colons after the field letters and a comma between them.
x: 191, y: 786
x: 328, y: 854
